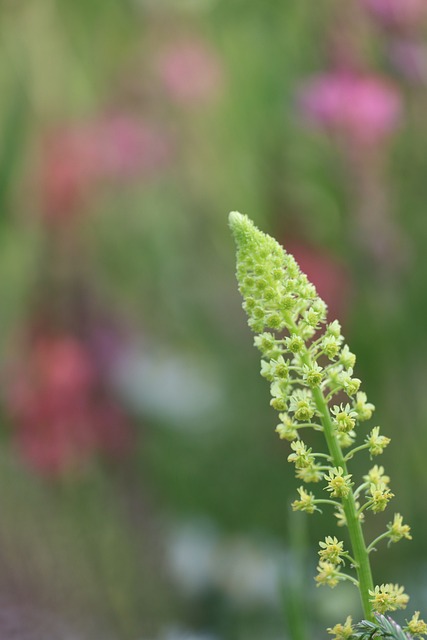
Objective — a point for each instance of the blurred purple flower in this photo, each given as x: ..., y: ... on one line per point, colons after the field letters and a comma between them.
x: 191, y: 72
x: 362, y: 108
x: 397, y: 13
x: 409, y: 58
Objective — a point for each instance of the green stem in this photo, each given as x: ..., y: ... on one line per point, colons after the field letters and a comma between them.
x: 365, y: 506
x: 374, y: 542
x: 348, y: 557
x: 351, y: 453
x: 357, y: 540
x: 359, y: 489
x: 353, y: 580
x: 332, y: 502
x: 311, y: 425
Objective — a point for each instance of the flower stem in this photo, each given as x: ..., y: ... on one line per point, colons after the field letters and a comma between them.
x: 350, y: 578
x: 332, y: 502
x: 357, y: 540
x: 351, y: 453
x: 374, y: 542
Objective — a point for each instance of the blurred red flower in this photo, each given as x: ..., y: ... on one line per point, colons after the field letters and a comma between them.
x: 329, y: 275
x: 77, y: 158
x: 62, y: 415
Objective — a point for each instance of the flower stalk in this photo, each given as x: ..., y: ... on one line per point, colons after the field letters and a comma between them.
x: 310, y: 371
x: 360, y: 553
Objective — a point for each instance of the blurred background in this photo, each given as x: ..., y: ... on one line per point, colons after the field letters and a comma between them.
x: 143, y: 492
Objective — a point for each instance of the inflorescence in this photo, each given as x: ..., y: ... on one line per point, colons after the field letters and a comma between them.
x: 311, y: 374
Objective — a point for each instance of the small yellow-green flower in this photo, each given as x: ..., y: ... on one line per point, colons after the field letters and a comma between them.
x: 294, y: 343
x: 334, y: 329
x: 327, y: 574
x: 380, y: 497
x: 347, y: 358
x: 344, y: 417
x: 312, y: 375
x: 287, y: 429
x: 416, y: 626
x: 397, y: 530
x: 338, y: 484
x: 301, y: 405
x: 376, y: 443
x: 266, y: 343
x: 388, y: 597
x: 346, y: 439
x: 305, y: 503
x: 330, y: 346
x: 302, y: 457
x: 363, y: 408
x: 376, y: 476
x: 349, y: 384
x: 279, y: 390
x: 312, y: 473
x: 279, y: 368
x: 332, y: 550
x: 342, y: 631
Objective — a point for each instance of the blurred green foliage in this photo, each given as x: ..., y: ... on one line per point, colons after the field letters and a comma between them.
x: 156, y: 252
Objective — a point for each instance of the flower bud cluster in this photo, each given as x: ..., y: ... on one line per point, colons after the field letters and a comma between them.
x: 310, y: 370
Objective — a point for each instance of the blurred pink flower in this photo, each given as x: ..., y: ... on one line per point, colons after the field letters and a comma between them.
x: 362, y: 108
x: 191, y: 72
x: 397, y: 13
x: 409, y: 57
x: 68, y: 168
x: 62, y: 416
x: 129, y: 147
x: 79, y: 157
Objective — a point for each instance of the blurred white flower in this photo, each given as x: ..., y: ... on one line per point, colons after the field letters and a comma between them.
x: 192, y: 550
x: 245, y: 569
x: 249, y: 572
x: 174, y: 387
x: 176, y: 633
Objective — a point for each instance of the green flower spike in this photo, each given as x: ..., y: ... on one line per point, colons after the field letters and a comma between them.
x: 309, y: 368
